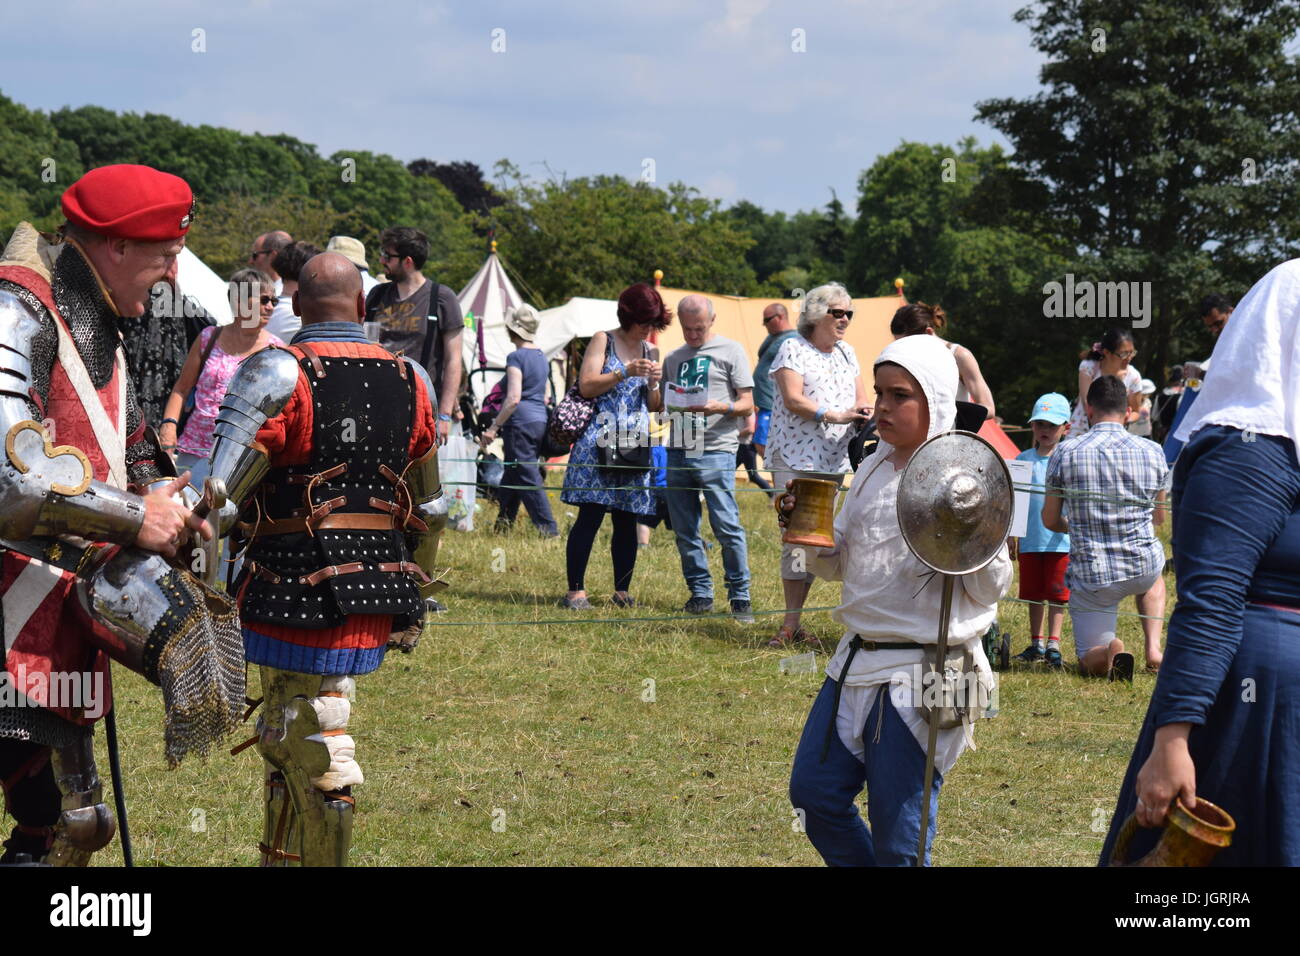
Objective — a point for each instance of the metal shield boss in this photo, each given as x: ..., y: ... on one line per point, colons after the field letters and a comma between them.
x: 955, y: 503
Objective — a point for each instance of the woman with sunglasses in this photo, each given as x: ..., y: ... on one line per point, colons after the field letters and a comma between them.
x: 211, y: 365
x: 1110, y: 356
x: 820, y: 396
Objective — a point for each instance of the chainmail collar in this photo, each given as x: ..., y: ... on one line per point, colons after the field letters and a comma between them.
x: 90, y: 318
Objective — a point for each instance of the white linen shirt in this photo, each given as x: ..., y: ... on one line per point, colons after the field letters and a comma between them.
x: 880, y: 601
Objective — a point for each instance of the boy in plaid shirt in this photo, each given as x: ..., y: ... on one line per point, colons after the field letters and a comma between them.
x: 1103, y: 488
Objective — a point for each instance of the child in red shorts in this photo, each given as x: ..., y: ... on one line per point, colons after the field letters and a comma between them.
x: 1044, y: 554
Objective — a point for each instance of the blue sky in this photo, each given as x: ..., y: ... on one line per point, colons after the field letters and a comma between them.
x: 712, y: 91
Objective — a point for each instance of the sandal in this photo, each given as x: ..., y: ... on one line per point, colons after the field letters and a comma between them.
x: 785, y: 637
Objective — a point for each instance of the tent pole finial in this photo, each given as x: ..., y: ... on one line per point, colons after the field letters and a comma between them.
x: 659, y: 277
x: 898, y: 284
x: 494, y: 247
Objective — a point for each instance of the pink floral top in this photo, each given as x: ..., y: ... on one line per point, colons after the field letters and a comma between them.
x: 213, y: 380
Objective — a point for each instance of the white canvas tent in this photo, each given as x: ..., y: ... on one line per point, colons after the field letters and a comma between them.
x: 579, y: 318
x: 196, y: 280
x: 488, y: 297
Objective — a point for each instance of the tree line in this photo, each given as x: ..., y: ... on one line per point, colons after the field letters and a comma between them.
x: 1161, y: 148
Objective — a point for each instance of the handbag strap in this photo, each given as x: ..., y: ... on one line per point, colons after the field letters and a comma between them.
x: 207, y: 351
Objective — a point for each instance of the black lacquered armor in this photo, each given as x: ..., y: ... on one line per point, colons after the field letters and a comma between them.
x: 304, y: 570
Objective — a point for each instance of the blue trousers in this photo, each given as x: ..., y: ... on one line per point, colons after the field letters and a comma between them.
x: 893, y: 770
x: 714, y: 474
x: 523, y: 443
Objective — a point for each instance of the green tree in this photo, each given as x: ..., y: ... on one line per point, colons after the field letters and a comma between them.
x: 1166, y: 135
x: 961, y: 226
x: 595, y: 236
x: 224, y: 230
x: 906, y: 201
x: 373, y: 191
x: 831, y: 235
x: 36, y: 166
x: 214, y: 161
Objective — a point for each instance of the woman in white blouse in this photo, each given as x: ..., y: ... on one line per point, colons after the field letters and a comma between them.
x: 819, y: 398
x: 1111, y: 356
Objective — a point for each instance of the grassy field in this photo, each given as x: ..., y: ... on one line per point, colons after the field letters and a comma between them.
x: 516, y: 741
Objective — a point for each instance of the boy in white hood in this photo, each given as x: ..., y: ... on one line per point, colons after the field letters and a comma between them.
x: 866, y: 725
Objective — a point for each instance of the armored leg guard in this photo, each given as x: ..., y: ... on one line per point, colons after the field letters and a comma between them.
x: 85, y: 824
x: 310, y: 769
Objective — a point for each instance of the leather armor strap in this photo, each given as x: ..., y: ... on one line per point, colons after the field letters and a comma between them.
x: 322, y: 509
x: 312, y: 357
x: 341, y: 522
x: 396, y: 510
x: 405, y: 567
x: 355, y: 567
x: 333, y: 571
x: 325, y: 475
x: 263, y: 574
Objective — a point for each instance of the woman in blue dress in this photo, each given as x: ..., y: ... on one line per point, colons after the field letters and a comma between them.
x: 622, y: 372
x: 1224, y: 720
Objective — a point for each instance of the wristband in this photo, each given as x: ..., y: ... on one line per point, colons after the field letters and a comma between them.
x: 442, y: 417
x: 821, y: 414
x: 172, y: 420
x: 622, y: 374
x: 731, y: 408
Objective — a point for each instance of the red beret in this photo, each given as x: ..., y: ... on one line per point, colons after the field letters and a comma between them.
x: 130, y: 202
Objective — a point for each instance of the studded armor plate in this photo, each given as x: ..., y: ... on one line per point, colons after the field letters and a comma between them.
x: 363, y: 410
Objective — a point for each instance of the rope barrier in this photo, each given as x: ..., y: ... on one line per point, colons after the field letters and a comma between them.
x: 696, y: 617
x: 1080, y: 495
x: 1055, y: 491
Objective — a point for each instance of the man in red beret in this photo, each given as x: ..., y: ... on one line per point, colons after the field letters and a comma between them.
x: 78, y: 466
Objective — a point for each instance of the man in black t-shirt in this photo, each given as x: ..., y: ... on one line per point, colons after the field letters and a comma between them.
x: 412, y: 325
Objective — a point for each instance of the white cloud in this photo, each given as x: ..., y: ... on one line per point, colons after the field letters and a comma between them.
x: 739, y: 16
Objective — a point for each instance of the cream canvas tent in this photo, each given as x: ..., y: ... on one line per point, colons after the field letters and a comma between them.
x: 738, y: 318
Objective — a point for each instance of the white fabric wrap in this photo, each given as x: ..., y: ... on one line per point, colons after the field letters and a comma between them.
x: 333, y: 714
x: 1255, y: 383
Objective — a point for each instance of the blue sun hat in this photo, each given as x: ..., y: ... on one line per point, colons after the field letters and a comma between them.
x: 1052, y: 407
